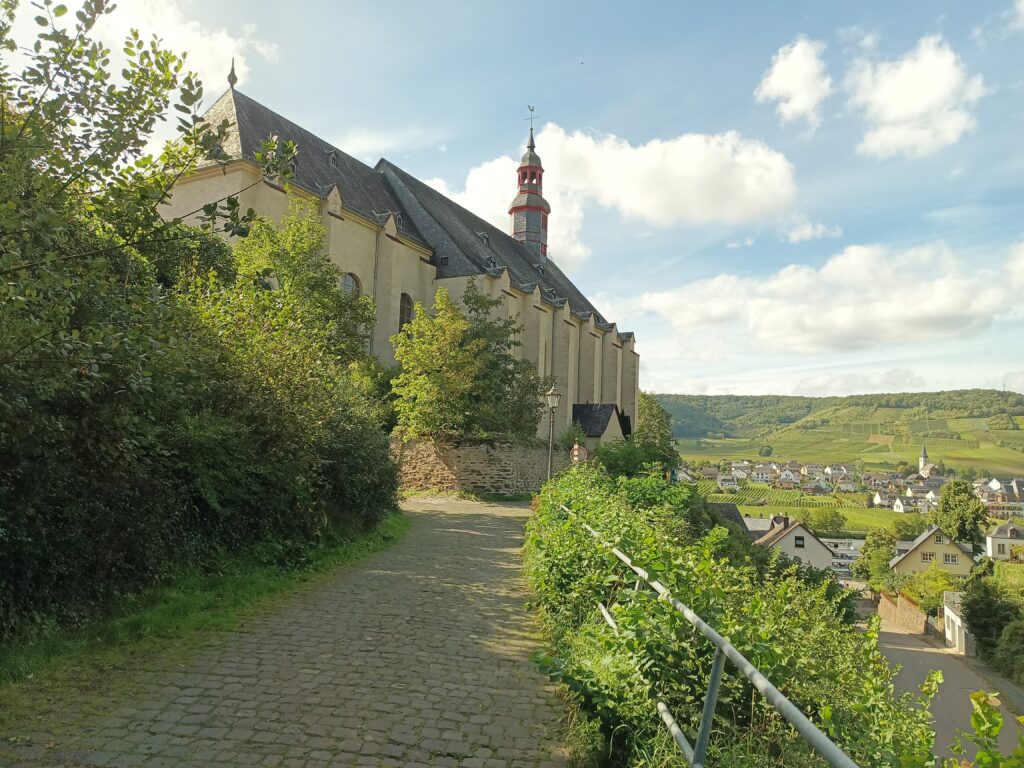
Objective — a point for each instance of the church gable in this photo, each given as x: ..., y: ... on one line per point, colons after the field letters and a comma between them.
x: 319, y: 165
x: 464, y: 244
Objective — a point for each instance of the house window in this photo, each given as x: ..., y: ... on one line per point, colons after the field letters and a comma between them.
x: 404, y: 310
x: 1001, y: 549
x: 798, y: 542
x: 938, y: 538
x: 927, y: 557
x: 350, y: 284
x: 950, y: 558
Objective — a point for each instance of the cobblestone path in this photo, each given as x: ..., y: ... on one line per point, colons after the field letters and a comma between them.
x: 417, y: 657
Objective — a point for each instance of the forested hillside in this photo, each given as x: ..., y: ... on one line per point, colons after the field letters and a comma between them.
x: 761, y: 415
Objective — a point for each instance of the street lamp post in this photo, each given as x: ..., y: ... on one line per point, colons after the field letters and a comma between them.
x: 553, y: 396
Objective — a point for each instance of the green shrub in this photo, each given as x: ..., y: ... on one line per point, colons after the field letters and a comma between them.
x: 790, y: 628
x: 1009, y: 654
x: 154, y: 411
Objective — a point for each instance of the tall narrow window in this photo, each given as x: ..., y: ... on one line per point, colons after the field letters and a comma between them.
x: 350, y: 284
x: 404, y: 310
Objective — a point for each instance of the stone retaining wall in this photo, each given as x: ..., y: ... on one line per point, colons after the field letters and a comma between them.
x: 903, y: 612
x: 492, y: 467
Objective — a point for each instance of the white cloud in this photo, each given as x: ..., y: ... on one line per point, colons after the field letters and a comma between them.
x: 917, y: 104
x: 1017, y: 15
x: 1014, y: 381
x: 744, y: 243
x: 802, y: 229
x: 856, y: 382
x: 858, y: 299
x: 798, y: 81
x: 208, y: 51
x: 1016, y: 266
x: 690, y: 179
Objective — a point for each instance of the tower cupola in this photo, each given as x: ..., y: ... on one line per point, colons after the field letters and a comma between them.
x: 529, y: 210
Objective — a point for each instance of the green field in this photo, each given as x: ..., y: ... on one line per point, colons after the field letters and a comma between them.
x: 858, y: 519
x: 751, y: 493
x: 817, y: 445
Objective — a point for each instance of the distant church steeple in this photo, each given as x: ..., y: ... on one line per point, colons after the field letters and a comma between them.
x: 529, y: 210
x: 923, y: 461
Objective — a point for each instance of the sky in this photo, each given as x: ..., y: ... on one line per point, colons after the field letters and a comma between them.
x: 793, y: 198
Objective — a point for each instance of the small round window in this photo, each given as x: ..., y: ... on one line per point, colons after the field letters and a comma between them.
x: 350, y: 284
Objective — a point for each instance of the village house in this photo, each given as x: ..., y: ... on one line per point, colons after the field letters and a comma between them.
x: 884, y: 499
x: 728, y: 484
x: 397, y: 240
x: 683, y: 475
x: 709, y: 473
x: 934, y: 546
x: 788, y: 480
x: 877, y: 481
x: 762, y: 473
x: 1001, y: 542
x: 812, y: 470
x: 1002, y: 498
x: 795, y: 540
x: 846, y: 484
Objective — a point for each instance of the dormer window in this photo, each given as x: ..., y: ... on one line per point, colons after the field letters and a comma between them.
x: 332, y: 158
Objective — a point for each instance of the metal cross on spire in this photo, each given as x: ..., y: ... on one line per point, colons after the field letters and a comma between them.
x: 532, y: 116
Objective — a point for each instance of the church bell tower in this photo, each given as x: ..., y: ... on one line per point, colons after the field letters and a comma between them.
x: 529, y: 210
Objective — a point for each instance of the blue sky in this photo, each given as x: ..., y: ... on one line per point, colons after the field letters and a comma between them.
x: 808, y: 197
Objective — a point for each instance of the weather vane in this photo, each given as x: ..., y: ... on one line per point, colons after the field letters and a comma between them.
x: 532, y: 116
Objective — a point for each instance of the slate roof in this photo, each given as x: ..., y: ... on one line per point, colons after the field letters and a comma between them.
x: 923, y: 538
x: 759, y: 526
x: 362, y: 189
x: 463, y: 243
x: 730, y: 512
x: 1003, y: 531
x: 779, y: 532
x: 594, y: 418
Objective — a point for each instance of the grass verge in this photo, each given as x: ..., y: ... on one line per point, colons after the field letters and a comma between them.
x: 55, y: 664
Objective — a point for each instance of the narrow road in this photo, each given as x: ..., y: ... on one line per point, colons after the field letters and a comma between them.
x: 417, y: 657
x: 952, y: 705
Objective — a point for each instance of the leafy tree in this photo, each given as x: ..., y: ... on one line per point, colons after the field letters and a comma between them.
x: 652, y: 433
x: 987, y: 612
x: 827, y: 520
x: 764, y: 450
x: 459, y: 374
x: 909, y: 527
x: 622, y: 458
x: 873, y: 564
x: 507, y: 394
x: 440, y: 365
x: 926, y: 588
x: 967, y: 473
x: 1009, y: 653
x: 151, y: 414
x: 961, y: 514
x: 290, y: 256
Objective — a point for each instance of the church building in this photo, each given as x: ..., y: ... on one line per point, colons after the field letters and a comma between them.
x: 398, y: 240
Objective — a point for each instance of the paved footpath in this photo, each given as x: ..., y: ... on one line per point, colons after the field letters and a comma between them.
x: 952, y: 705
x: 417, y: 657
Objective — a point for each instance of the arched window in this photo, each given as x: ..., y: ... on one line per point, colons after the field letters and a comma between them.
x: 404, y: 310
x: 350, y: 284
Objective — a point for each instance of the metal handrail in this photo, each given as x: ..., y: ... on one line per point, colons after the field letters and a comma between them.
x: 695, y: 754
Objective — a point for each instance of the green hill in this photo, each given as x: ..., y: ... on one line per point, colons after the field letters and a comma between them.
x: 979, y: 428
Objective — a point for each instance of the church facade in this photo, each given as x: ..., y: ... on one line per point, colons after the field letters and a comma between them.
x: 398, y: 240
